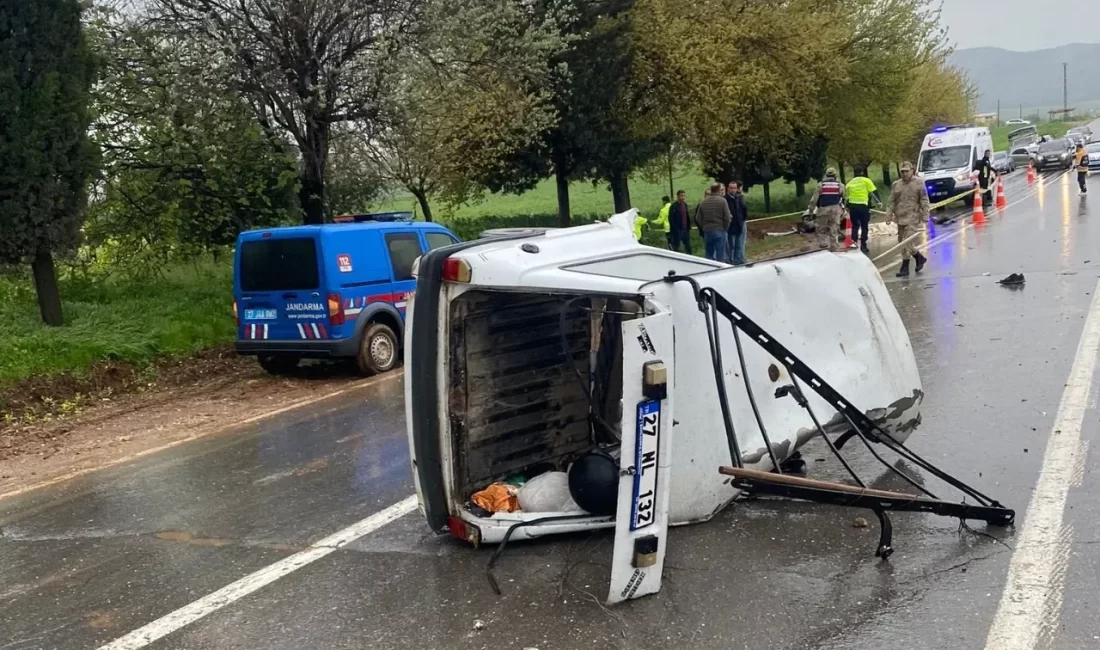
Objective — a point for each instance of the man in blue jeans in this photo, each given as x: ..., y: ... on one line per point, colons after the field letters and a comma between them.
x: 713, y: 218
x: 739, y: 230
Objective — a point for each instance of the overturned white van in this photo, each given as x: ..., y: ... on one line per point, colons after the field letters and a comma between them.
x: 526, y: 353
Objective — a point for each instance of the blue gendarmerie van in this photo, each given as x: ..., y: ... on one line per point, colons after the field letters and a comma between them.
x: 332, y: 291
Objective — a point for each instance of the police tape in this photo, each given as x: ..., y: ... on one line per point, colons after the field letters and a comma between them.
x: 942, y: 204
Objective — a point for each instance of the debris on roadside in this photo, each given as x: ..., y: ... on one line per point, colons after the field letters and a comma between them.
x: 1012, y: 279
x: 859, y: 522
x: 479, y: 624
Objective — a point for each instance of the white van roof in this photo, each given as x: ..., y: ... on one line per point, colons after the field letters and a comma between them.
x: 953, y: 136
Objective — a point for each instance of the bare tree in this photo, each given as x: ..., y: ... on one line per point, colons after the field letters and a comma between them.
x: 304, y: 65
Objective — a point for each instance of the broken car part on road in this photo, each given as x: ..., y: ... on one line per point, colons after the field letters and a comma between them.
x: 532, y: 352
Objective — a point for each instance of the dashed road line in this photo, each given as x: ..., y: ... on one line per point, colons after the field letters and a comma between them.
x: 235, y: 591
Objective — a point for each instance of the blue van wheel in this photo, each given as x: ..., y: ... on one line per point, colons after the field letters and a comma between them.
x: 378, y: 350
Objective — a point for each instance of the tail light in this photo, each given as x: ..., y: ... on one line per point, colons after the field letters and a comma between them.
x: 456, y: 270
x: 236, y: 318
x: 335, y: 309
x: 459, y: 529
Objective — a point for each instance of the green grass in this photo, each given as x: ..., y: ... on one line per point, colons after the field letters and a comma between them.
x: 187, y: 310
x: 1056, y: 129
x: 588, y: 199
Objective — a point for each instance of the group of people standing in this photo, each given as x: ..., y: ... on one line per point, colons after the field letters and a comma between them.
x: 720, y: 218
x: 908, y: 206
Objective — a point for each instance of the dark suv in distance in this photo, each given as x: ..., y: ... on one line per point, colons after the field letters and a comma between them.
x: 1054, y: 154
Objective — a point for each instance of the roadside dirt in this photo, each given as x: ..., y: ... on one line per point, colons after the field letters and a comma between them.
x: 123, y: 414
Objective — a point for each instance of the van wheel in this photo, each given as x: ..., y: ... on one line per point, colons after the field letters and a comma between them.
x: 278, y: 365
x: 378, y: 351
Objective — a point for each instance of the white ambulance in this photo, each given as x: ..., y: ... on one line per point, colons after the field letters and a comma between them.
x: 947, y: 159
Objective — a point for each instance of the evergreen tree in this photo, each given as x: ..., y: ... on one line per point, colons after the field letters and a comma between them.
x: 46, y: 157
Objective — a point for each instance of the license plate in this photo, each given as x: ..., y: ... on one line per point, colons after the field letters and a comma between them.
x: 643, y: 509
x: 260, y: 314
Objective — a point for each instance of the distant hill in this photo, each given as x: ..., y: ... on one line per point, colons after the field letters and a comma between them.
x: 1031, y: 78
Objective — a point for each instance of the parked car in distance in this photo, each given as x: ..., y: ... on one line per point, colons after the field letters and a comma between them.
x: 1003, y: 163
x: 334, y: 291
x: 1016, y: 121
x: 1082, y: 134
x: 1053, y: 154
x: 1021, y: 156
x: 1094, y: 156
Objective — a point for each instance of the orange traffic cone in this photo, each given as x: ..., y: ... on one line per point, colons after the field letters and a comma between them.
x: 1030, y: 172
x: 847, y: 225
x: 1001, y: 200
x: 979, y: 209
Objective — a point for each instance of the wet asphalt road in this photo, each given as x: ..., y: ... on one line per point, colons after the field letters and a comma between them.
x: 85, y: 563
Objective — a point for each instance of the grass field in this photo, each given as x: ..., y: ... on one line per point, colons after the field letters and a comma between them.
x: 588, y: 199
x: 1056, y: 129
x: 190, y: 309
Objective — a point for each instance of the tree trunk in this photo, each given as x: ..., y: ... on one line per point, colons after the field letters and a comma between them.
x: 671, y: 192
x: 561, y: 179
x: 800, y: 188
x: 843, y: 173
x: 425, y: 208
x: 768, y: 197
x: 45, y: 285
x: 314, y: 161
x: 886, y: 181
x: 620, y: 192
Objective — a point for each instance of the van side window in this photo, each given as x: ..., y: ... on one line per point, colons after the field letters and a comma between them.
x: 404, y: 248
x: 438, y: 240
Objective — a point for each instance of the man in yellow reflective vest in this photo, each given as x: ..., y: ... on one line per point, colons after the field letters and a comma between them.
x: 860, y: 192
x: 1081, y: 162
x: 661, y: 222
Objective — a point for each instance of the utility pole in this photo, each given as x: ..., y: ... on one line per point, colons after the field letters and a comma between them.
x: 998, y: 112
x: 1065, y: 90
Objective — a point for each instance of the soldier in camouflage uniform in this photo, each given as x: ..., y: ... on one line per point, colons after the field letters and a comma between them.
x: 827, y: 206
x: 909, y: 206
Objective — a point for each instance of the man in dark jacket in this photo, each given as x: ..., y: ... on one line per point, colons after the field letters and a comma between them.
x: 679, y: 224
x: 738, y: 231
x: 713, y: 218
x: 984, y: 169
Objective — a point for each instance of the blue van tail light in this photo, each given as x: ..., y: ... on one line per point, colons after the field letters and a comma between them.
x: 236, y: 317
x: 335, y: 309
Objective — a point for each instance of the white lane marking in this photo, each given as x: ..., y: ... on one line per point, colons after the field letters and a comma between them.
x: 1033, y: 592
x: 393, y: 374
x: 233, y: 592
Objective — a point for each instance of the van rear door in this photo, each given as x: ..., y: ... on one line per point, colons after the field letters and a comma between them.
x: 641, y: 518
x: 403, y: 247
x: 280, y: 279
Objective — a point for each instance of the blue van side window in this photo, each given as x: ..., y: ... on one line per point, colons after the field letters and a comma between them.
x: 439, y: 240
x: 404, y: 248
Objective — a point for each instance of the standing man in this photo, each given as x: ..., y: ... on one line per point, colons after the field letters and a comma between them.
x: 739, y: 229
x: 713, y: 218
x: 1081, y: 161
x: 909, y: 206
x: 679, y: 224
x: 985, y: 171
x: 826, y: 205
x: 860, y: 190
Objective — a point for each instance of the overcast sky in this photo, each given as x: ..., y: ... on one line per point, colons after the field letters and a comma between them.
x: 1022, y: 24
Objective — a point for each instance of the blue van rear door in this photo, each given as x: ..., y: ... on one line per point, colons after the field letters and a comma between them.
x: 281, y: 279
x: 402, y: 247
